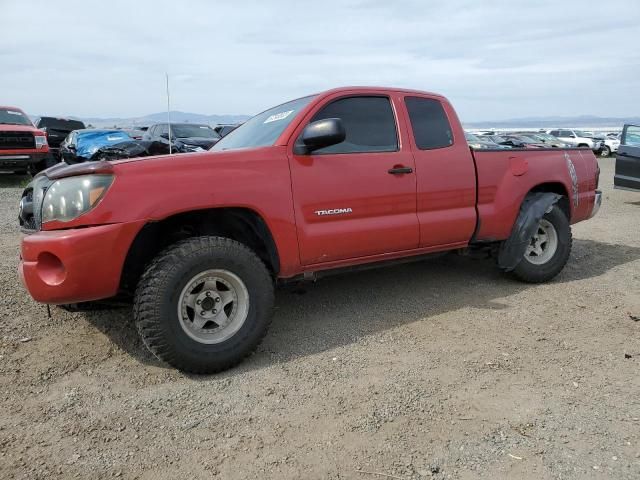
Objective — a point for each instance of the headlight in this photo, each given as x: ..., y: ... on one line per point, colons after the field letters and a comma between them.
x: 41, y: 141
x: 68, y: 198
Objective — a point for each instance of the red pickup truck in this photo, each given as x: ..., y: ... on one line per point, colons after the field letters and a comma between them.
x: 330, y: 181
x: 22, y: 146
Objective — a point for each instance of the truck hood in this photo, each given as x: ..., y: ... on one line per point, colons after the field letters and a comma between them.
x: 184, y: 157
x: 186, y: 160
x: 18, y: 128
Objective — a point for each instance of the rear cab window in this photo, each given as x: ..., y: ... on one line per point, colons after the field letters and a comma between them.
x: 429, y: 123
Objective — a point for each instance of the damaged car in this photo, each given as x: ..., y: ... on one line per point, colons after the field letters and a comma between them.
x: 82, y: 145
x: 184, y: 137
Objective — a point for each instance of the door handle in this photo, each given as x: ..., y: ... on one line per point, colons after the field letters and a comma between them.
x: 400, y: 170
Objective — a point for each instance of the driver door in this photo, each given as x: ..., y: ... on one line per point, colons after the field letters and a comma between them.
x: 356, y: 198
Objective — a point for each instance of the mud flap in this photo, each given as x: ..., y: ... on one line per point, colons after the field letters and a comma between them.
x: 533, y: 208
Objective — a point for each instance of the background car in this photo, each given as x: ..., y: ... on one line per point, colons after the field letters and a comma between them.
x: 185, y: 137
x: 135, y: 133
x: 521, y: 141
x: 497, y: 139
x: 477, y: 142
x: 82, y: 145
x: 225, y: 129
x: 627, y: 173
x: 547, y: 139
x: 577, y: 138
x: 57, y: 130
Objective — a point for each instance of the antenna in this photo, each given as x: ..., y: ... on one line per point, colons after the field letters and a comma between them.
x: 168, y: 114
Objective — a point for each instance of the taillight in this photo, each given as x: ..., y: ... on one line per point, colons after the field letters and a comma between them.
x: 597, y: 176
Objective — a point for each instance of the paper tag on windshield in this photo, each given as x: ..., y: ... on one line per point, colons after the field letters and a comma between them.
x: 278, y: 116
x: 18, y: 113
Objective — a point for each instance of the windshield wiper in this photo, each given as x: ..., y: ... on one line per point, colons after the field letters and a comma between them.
x: 13, y: 123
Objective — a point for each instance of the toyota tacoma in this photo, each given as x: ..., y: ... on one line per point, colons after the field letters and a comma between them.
x: 320, y: 184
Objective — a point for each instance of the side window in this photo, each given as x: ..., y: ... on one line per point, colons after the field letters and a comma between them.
x: 631, y: 136
x: 431, y: 128
x: 161, y: 129
x: 555, y: 133
x: 368, y: 121
x: 567, y: 133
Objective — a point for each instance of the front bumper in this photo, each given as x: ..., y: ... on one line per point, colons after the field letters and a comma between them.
x: 75, y: 265
x: 20, y: 159
x: 597, y: 202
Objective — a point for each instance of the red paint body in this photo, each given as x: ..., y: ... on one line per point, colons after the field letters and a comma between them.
x: 34, y: 154
x: 437, y: 207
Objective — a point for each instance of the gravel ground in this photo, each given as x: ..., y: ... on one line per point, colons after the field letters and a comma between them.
x: 440, y: 369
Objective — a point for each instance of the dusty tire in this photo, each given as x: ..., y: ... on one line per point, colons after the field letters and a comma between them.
x: 162, y: 318
x: 605, y: 152
x: 534, y: 268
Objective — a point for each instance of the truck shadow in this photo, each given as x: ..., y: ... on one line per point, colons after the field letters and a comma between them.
x: 343, y: 309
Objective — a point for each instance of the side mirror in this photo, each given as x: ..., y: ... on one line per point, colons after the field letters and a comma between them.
x: 320, y: 134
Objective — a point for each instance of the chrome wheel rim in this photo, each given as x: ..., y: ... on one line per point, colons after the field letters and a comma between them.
x: 543, y: 244
x: 213, y: 306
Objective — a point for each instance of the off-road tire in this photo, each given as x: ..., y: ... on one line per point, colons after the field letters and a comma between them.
x: 159, y: 289
x: 532, y: 273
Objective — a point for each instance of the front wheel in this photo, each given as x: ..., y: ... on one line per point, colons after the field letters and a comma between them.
x: 204, y: 304
x: 605, y: 152
x: 548, y: 250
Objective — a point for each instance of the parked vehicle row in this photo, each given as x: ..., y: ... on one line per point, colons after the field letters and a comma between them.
x: 604, y: 145
x: 27, y: 146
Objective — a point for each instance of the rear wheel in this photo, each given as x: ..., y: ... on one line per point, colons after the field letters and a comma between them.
x: 204, y: 304
x: 548, y: 250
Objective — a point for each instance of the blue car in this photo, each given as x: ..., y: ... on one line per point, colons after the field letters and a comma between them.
x: 82, y: 145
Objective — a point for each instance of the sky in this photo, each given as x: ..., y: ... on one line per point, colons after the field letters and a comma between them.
x: 494, y: 59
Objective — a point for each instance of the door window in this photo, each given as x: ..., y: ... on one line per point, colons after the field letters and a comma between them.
x: 369, y: 124
x: 632, y: 136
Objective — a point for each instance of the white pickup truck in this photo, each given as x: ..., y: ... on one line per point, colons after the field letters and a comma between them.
x: 577, y: 138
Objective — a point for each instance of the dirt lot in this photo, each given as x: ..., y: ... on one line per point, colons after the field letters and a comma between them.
x: 440, y: 369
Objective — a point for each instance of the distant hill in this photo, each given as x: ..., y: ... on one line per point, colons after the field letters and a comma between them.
x: 583, y: 121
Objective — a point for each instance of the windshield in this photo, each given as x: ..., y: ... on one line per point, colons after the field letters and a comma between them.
x: 470, y: 137
x: 263, y: 129
x: 526, y: 139
x: 13, y: 117
x: 545, y: 137
x: 582, y: 133
x: 186, y: 131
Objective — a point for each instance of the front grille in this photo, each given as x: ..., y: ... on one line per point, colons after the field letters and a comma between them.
x: 16, y: 140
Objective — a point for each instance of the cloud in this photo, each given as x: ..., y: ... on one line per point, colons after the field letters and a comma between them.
x: 494, y: 59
